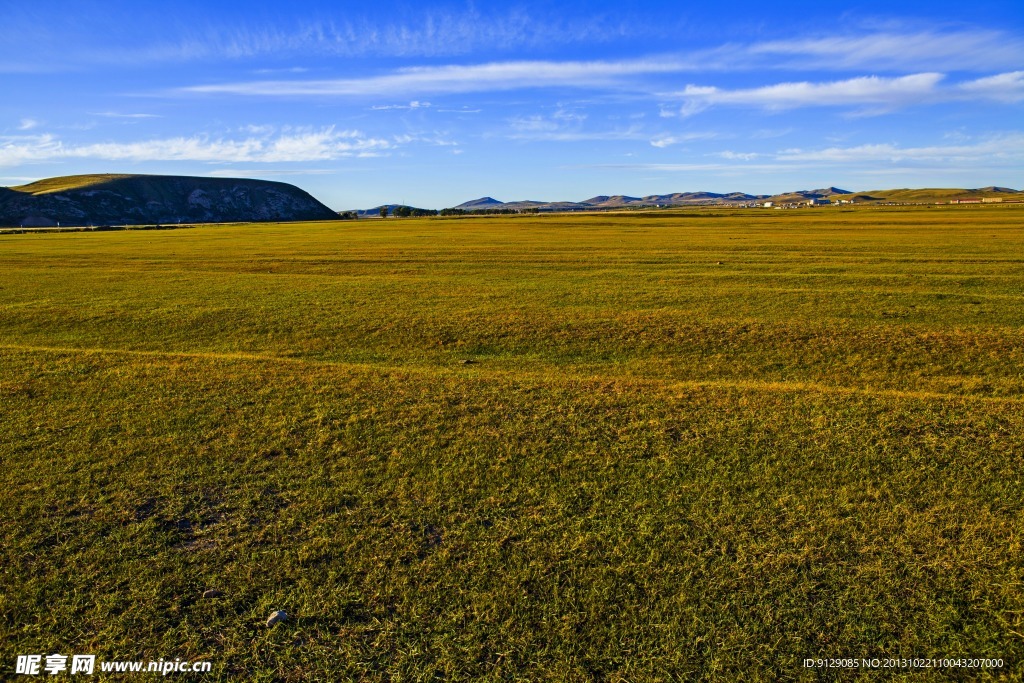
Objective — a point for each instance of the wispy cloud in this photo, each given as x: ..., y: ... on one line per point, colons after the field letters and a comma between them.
x: 898, y: 51
x: 289, y: 70
x: 579, y: 135
x: 669, y: 140
x: 27, y: 124
x: 866, y: 90
x: 1002, y: 151
x: 67, y: 40
x: 997, y: 148
x: 119, y: 115
x: 739, y: 156
x: 435, y: 139
x: 566, y: 125
x: 869, y: 95
x: 873, y: 94
x: 768, y: 133
x: 689, y: 167
x: 415, y: 104
x: 493, y: 76
x: 1006, y: 87
x: 319, y: 145
x: 429, y: 33
x: 947, y: 50
x: 433, y: 32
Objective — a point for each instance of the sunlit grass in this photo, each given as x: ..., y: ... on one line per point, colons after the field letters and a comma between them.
x: 687, y: 447
x: 64, y: 183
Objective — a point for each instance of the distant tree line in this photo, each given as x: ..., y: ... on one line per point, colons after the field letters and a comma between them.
x: 483, y: 212
x: 409, y: 211
x: 412, y: 212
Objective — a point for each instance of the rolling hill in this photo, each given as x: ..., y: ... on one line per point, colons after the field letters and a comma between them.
x: 933, y: 194
x: 482, y: 203
x: 116, y: 199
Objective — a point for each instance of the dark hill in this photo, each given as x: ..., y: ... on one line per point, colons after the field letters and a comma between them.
x: 147, y: 199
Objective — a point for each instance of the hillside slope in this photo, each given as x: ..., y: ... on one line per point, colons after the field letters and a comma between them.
x: 935, y: 194
x: 144, y: 199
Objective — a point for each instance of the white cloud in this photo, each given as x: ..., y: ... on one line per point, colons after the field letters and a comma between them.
x: 430, y: 33
x: 931, y: 50
x: 533, y: 124
x: 1004, y: 151
x: 311, y: 145
x: 872, y: 95
x: 436, y: 139
x: 34, y: 40
x: 739, y: 156
x: 579, y: 135
x: 27, y: 124
x: 492, y: 76
x: 66, y: 40
x: 116, y: 115
x: 1001, y: 147
x: 965, y: 49
x: 865, y: 90
x: 415, y: 104
x: 566, y: 125
x: 291, y: 70
x: 1006, y: 87
x: 669, y: 140
x: 561, y: 119
x: 19, y: 149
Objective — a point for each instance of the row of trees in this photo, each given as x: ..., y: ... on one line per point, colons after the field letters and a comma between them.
x: 409, y: 211
x: 482, y: 212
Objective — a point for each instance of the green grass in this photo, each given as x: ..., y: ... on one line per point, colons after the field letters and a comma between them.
x: 691, y: 446
x: 65, y: 183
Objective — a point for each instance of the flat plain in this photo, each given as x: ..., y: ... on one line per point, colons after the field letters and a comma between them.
x: 675, y: 445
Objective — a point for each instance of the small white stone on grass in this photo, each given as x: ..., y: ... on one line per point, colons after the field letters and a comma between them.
x: 279, y: 615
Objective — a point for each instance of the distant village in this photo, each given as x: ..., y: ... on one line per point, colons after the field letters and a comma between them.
x: 827, y: 202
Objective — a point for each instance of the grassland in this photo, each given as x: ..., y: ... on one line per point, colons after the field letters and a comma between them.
x: 929, y: 195
x: 691, y: 446
x: 65, y: 183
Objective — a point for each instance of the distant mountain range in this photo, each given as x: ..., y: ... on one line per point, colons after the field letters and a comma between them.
x: 608, y: 202
x: 736, y: 198
x: 624, y: 201
x: 111, y: 199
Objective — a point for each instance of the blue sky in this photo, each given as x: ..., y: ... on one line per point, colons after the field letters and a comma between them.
x: 431, y: 104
